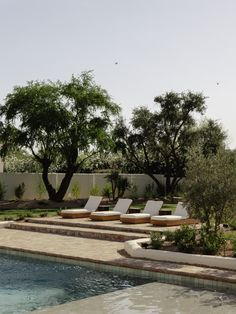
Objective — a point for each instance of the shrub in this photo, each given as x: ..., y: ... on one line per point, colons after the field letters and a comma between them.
x: 118, y: 183
x: 19, y: 191
x: 95, y: 191
x: 150, y: 191
x: 185, y: 239
x: 75, y: 190
x: 211, y: 187
x: 2, y: 190
x: 210, y: 242
x: 169, y: 235
x: 8, y: 218
x: 106, y: 191
x: 232, y: 224
x: 133, y: 191
x: 43, y: 214
x: 41, y: 189
x: 156, y: 240
x: 233, y: 241
x: 20, y: 217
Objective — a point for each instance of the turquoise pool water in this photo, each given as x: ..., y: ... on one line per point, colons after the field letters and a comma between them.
x: 27, y: 284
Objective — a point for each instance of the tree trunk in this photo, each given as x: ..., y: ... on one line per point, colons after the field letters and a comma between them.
x: 59, y: 195
x: 54, y: 195
x: 173, y: 185
x: 168, y: 185
x: 160, y: 187
x: 50, y: 189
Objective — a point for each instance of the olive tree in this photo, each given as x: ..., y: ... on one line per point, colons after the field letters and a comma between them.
x: 157, y: 142
x: 57, y: 122
x: 210, y: 185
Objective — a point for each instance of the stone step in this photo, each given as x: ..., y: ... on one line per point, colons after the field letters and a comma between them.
x: 78, y: 232
x: 86, y: 223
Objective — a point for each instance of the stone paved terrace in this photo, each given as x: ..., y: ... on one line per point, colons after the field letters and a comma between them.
x: 101, y: 251
x: 114, y: 225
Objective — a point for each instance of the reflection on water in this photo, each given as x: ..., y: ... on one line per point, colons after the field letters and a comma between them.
x: 27, y: 284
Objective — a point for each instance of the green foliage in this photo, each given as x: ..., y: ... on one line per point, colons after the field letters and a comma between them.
x: 7, y: 218
x: 75, y: 190
x: 106, y: 162
x: 118, y: 183
x: 169, y: 235
x: 190, y: 240
x: 232, y: 223
x: 13, y: 214
x: 21, y: 161
x: 58, y: 122
x: 20, y: 190
x: 156, y: 239
x: 185, y: 239
x: 106, y: 191
x: 95, y: 191
x: 20, y: 217
x: 43, y: 214
x: 150, y: 191
x: 40, y: 189
x: 133, y: 190
x: 29, y: 215
x: 210, y: 242
x: 210, y: 137
x: 2, y: 190
x: 157, y: 142
x: 233, y: 241
x: 211, y: 186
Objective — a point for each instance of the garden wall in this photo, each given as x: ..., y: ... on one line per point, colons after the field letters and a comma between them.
x: 34, y: 187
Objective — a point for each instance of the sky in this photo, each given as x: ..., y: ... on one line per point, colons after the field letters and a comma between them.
x: 137, y: 49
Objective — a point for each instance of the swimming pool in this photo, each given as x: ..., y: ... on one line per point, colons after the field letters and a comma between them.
x: 27, y: 284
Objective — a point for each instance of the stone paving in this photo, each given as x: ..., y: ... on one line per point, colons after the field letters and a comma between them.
x: 106, y: 253
x: 100, y: 251
x: 56, y: 245
x: 149, y: 299
x: 100, y: 234
x: 114, y: 225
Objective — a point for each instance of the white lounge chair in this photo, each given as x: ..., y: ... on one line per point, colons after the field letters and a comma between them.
x: 91, y: 205
x: 121, y: 207
x: 180, y: 217
x: 150, y: 209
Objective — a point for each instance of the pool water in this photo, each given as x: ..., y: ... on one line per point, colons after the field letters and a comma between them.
x: 27, y: 284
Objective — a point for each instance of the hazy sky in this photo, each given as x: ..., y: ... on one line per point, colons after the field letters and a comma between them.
x: 159, y: 45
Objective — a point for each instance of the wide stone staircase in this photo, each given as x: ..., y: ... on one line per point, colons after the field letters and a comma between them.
x: 76, y: 229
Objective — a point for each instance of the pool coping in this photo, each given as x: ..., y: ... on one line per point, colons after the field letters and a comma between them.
x: 209, y: 279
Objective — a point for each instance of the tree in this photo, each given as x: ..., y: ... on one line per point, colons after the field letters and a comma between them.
x: 57, y: 122
x: 210, y: 137
x: 118, y: 183
x: 211, y: 186
x: 158, y: 141
x: 20, y: 161
x: 106, y: 162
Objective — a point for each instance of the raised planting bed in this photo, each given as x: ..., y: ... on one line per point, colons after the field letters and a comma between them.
x: 135, y: 249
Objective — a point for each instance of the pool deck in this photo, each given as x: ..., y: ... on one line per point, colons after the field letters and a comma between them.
x: 100, y: 251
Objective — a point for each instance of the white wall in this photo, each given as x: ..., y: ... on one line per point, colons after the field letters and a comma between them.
x: 34, y: 187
